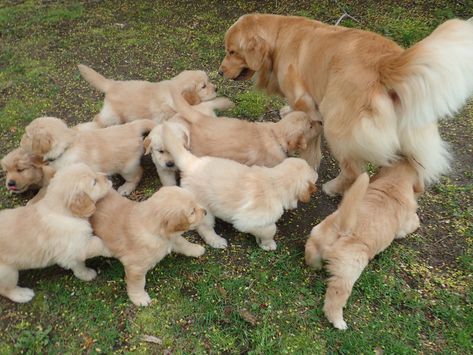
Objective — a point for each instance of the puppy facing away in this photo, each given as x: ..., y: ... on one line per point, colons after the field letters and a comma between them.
x: 250, y: 143
x: 140, y: 234
x: 54, y: 230
x: 251, y: 198
x: 24, y: 171
x: 131, y: 100
x: 154, y: 145
x: 111, y: 150
x: 377, y: 100
x: 370, y: 216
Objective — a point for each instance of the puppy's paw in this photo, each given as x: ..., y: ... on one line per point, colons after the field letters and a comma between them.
x: 217, y: 242
x: 85, y: 274
x: 21, y: 294
x: 125, y: 189
x: 340, y: 324
x: 141, y: 299
x: 268, y: 245
x: 285, y: 110
x: 330, y: 188
x: 197, y: 251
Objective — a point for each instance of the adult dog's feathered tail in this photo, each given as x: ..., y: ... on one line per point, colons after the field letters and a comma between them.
x: 182, y: 157
x: 431, y: 79
x: 95, y: 79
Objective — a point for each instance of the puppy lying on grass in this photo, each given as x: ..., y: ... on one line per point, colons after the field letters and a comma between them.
x: 251, y: 198
x: 24, y: 171
x: 370, y: 216
x: 112, y: 150
x: 54, y: 230
x: 131, y: 100
x: 141, y: 234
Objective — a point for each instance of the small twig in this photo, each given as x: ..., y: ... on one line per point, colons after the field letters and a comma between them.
x: 343, y: 16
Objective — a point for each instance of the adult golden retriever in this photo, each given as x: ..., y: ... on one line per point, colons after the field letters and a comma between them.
x: 377, y: 100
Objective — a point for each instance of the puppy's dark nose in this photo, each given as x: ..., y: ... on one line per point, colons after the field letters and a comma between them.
x: 11, y: 183
x: 205, y: 212
x: 169, y: 164
x: 220, y: 72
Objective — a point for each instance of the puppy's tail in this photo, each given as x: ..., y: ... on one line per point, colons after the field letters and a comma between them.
x: 433, y: 78
x: 348, y: 209
x: 182, y: 157
x: 95, y: 79
x: 143, y: 126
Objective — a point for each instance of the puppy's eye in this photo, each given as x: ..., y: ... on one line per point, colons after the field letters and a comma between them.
x: 20, y: 170
x: 95, y: 182
x: 160, y: 151
x: 204, y: 86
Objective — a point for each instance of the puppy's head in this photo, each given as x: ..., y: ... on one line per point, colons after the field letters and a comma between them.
x: 154, y: 144
x: 22, y: 170
x: 299, y: 129
x: 47, y: 137
x: 246, y: 52
x: 407, y: 170
x: 77, y: 188
x: 174, y: 210
x: 302, y: 179
x: 196, y: 86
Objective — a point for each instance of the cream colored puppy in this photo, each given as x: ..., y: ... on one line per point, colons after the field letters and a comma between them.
x: 55, y: 230
x: 112, y: 150
x: 250, y: 198
x: 370, y: 216
x: 140, y: 234
x: 131, y: 100
x: 154, y: 145
x: 24, y: 171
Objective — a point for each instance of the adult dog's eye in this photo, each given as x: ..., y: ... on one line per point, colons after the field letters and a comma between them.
x: 231, y: 52
x: 20, y: 170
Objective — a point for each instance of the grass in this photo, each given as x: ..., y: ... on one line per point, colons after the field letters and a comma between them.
x: 414, y: 297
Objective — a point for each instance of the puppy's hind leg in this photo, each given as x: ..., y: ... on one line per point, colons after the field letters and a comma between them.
x: 207, y: 232
x: 183, y: 246
x: 313, y: 256
x: 132, y: 177
x: 9, y: 288
x: 264, y: 236
x: 410, y: 225
x: 349, y: 171
x: 345, y: 263
x: 135, y: 285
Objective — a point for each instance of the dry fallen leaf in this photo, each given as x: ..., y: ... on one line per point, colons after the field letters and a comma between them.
x: 152, y: 339
x: 247, y: 316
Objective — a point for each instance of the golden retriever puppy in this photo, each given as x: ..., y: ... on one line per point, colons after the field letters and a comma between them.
x: 24, y: 171
x: 377, y: 100
x: 55, y: 230
x: 154, y: 145
x: 252, y: 198
x: 111, y: 150
x: 131, y: 100
x: 251, y: 143
x: 370, y: 216
x: 140, y: 234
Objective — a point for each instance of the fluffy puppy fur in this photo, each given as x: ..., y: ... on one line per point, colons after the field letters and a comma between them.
x: 154, y: 145
x: 112, y: 150
x: 24, y: 171
x: 55, y: 230
x: 131, y: 100
x: 140, y: 234
x: 370, y: 216
x: 251, y: 143
x: 251, y: 198
x: 378, y: 101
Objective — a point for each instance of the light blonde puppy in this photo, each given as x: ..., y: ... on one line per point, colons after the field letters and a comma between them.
x: 377, y: 100
x: 154, y: 144
x: 55, y: 230
x: 370, y: 216
x: 250, y: 143
x: 252, y: 198
x: 131, y: 100
x: 140, y: 234
x: 24, y: 171
x: 111, y: 150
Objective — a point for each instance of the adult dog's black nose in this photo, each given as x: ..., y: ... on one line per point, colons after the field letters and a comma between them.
x: 169, y: 164
x: 11, y: 183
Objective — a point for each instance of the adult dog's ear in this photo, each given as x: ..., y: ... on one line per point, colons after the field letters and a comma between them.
x: 257, y: 51
x: 296, y: 143
x: 175, y: 223
x: 81, y: 205
x: 190, y: 95
x: 147, y: 145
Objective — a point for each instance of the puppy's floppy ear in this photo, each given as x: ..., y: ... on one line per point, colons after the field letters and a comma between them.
x: 297, y: 143
x: 419, y: 186
x: 175, y: 223
x: 147, y: 145
x: 41, y: 143
x: 37, y: 161
x: 81, y: 205
x: 183, y: 133
x: 191, y: 97
x: 305, y: 195
x: 257, y: 51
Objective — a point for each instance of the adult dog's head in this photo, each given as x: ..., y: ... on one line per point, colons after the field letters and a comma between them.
x: 246, y: 47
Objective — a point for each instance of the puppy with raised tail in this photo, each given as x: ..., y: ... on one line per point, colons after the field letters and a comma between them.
x: 369, y: 218
x: 140, y: 234
x: 54, y: 230
x: 130, y: 100
x: 251, y: 198
x: 111, y: 150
